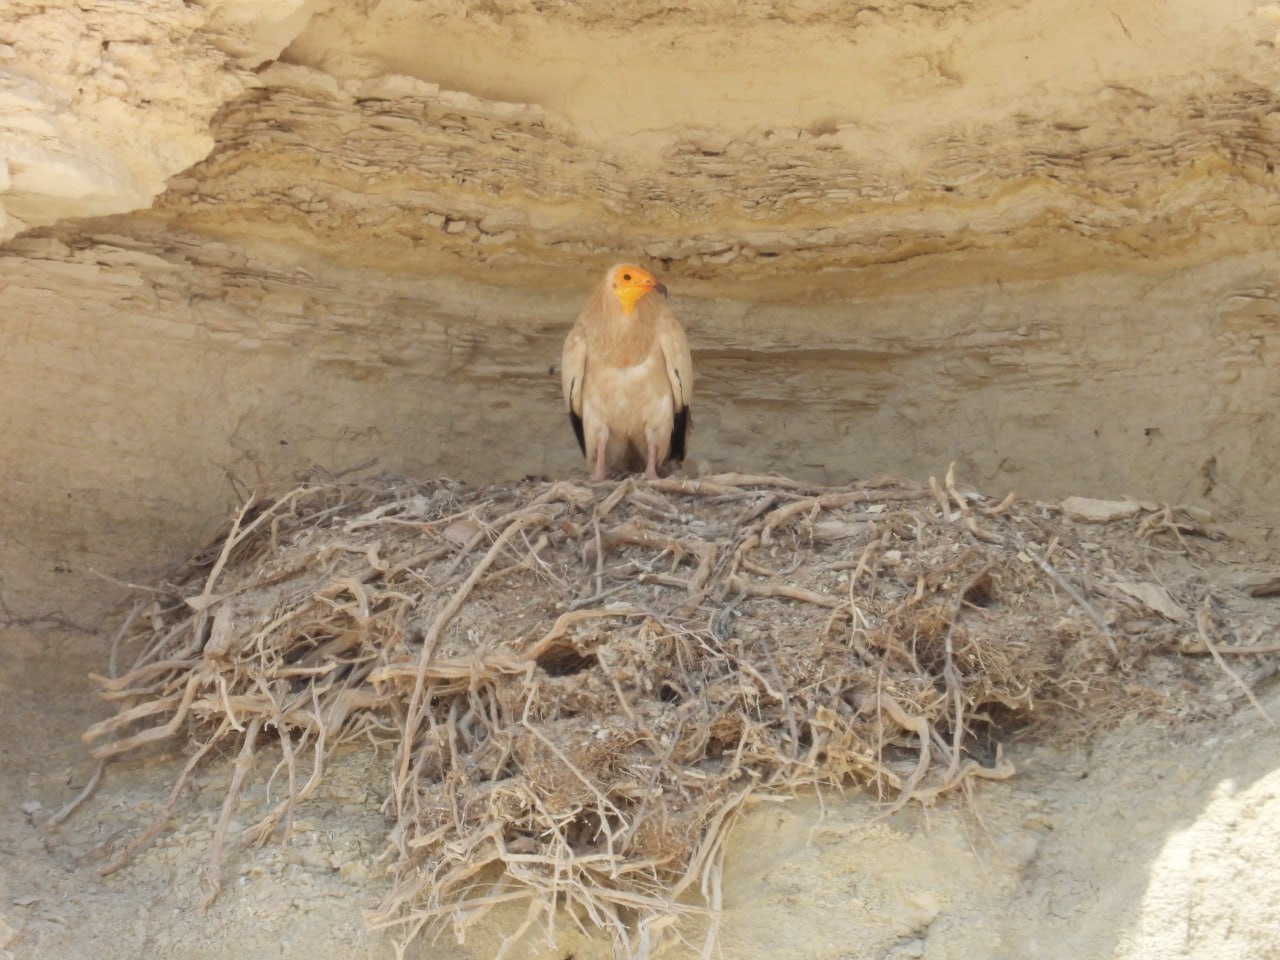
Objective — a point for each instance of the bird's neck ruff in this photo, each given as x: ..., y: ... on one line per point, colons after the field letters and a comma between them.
x: 619, y: 310
x: 625, y: 338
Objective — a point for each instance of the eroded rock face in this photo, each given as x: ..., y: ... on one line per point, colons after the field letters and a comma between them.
x: 100, y: 103
x: 754, y: 150
x: 1033, y: 236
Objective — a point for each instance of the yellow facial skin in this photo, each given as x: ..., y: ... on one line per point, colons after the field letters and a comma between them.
x: 630, y: 283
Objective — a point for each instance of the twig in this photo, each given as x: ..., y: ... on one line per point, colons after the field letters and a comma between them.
x: 229, y: 804
x: 413, y: 716
x: 1075, y: 595
x: 784, y: 590
x: 1235, y: 651
x: 971, y: 524
x: 762, y: 480
x: 606, y: 505
x: 71, y: 805
x: 151, y: 734
x: 567, y: 620
x: 1009, y: 500
x: 827, y: 501
x: 595, y: 526
x: 152, y: 831
x: 703, y: 488
x: 1202, y: 627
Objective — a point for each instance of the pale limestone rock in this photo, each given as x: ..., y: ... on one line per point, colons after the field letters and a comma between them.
x: 93, y: 115
x: 101, y: 102
x: 254, y: 31
x: 1099, y: 511
x: 1154, y: 597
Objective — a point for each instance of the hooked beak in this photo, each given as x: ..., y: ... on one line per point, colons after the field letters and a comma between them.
x: 662, y: 289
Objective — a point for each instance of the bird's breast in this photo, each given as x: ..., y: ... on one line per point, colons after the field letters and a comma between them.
x: 634, y: 346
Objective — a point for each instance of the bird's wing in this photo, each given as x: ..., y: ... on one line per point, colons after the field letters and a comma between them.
x: 573, y: 367
x: 679, y: 361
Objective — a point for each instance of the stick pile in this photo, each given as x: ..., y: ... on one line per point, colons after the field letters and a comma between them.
x: 580, y: 686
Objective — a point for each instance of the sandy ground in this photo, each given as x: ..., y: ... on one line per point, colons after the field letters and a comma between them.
x: 1151, y: 843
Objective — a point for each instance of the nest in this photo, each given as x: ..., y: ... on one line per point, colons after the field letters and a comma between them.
x: 575, y: 689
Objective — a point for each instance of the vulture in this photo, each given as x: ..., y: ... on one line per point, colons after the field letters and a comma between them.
x: 628, y: 376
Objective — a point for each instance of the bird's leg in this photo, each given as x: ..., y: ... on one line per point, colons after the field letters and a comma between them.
x: 599, y: 473
x: 651, y: 467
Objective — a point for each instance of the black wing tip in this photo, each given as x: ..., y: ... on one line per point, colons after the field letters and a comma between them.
x: 680, y: 434
x: 577, y: 431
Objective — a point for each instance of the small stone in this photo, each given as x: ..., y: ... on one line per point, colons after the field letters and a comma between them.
x: 1099, y: 511
x: 660, y: 249
x: 1154, y: 597
x: 460, y: 532
x: 353, y: 871
x: 502, y: 221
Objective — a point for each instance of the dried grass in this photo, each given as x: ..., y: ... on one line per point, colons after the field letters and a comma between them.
x: 580, y: 686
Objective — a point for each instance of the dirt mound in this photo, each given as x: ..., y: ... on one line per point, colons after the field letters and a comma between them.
x: 575, y: 689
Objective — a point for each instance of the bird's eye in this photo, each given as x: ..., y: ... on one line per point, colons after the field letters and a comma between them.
x: 626, y: 277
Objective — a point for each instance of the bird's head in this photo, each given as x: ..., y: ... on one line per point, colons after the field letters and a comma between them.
x: 629, y: 283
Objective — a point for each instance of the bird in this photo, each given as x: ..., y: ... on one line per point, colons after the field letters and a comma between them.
x: 627, y: 376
